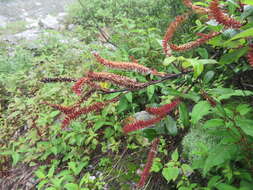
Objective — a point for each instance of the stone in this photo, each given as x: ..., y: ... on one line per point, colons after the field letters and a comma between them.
x: 3, y: 21
x: 49, y: 22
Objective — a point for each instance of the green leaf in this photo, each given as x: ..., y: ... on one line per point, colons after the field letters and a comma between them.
x: 223, y: 186
x: 214, y: 123
x: 218, y: 155
x: 40, y: 174
x: 123, y: 105
x: 150, y: 91
x: 171, y: 125
x: 243, y: 109
x: 71, y: 186
x: 169, y: 60
x: 246, y: 125
x: 15, y: 158
x: 201, y: 109
x: 208, y: 76
x: 51, y: 172
x: 184, y: 114
x: 249, y: 2
x: 175, y: 155
x: 244, y: 34
x: 170, y: 173
x: 129, y: 97
x: 186, y: 168
x: 233, y: 56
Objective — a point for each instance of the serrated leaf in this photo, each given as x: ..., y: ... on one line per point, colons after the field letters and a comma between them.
x: 129, y: 97
x: 208, y: 76
x: 246, y: 125
x: 243, y: 109
x: 169, y: 60
x: 40, y: 174
x: 223, y: 186
x: 15, y: 158
x: 170, y: 173
x: 244, y: 34
x: 150, y: 91
x: 71, y: 186
x: 51, y: 172
x: 171, y: 125
x: 214, y: 123
x: 175, y: 155
x: 233, y: 56
x: 200, y: 110
x: 184, y: 114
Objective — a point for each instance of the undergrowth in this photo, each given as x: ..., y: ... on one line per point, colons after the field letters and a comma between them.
x: 77, y: 136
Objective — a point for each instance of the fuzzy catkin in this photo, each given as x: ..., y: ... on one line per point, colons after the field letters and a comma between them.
x: 195, y: 8
x: 128, y: 66
x: 114, y: 79
x: 170, y: 32
x: 165, y: 109
x: 151, y: 156
x: 141, y: 124
x: 218, y: 14
x: 250, y: 56
x: 204, y: 38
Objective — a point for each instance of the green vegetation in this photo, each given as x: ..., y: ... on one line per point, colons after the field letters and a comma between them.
x: 204, y: 143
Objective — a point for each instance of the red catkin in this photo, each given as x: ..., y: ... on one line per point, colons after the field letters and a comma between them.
x: 94, y: 107
x: 129, y: 66
x: 63, y: 109
x: 165, y: 109
x: 196, y: 43
x: 151, y: 156
x: 78, y: 86
x: 57, y: 79
x: 195, y: 8
x: 250, y: 56
x: 170, y: 32
x: 218, y: 14
x: 142, y: 124
x: 115, y: 79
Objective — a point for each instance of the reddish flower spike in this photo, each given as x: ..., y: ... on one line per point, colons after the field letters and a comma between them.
x: 63, y: 109
x: 170, y: 32
x: 128, y: 66
x: 197, y: 9
x: 94, y: 107
x: 151, y: 156
x: 250, y: 56
x: 196, y: 43
x: 115, y: 79
x: 218, y: 14
x: 141, y: 124
x: 165, y: 109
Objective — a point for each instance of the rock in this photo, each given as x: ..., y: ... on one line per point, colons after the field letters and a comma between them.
x: 50, y: 22
x: 3, y: 21
x: 143, y: 115
x: 28, y: 35
x: 71, y: 27
x: 61, y: 17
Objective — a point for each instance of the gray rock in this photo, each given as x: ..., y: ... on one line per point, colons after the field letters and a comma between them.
x: 49, y: 22
x: 3, y: 21
x: 143, y: 115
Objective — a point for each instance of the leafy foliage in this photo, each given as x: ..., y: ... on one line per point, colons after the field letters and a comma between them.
x: 205, y: 142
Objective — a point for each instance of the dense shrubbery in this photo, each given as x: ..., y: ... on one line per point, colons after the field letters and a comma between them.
x: 204, y: 144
